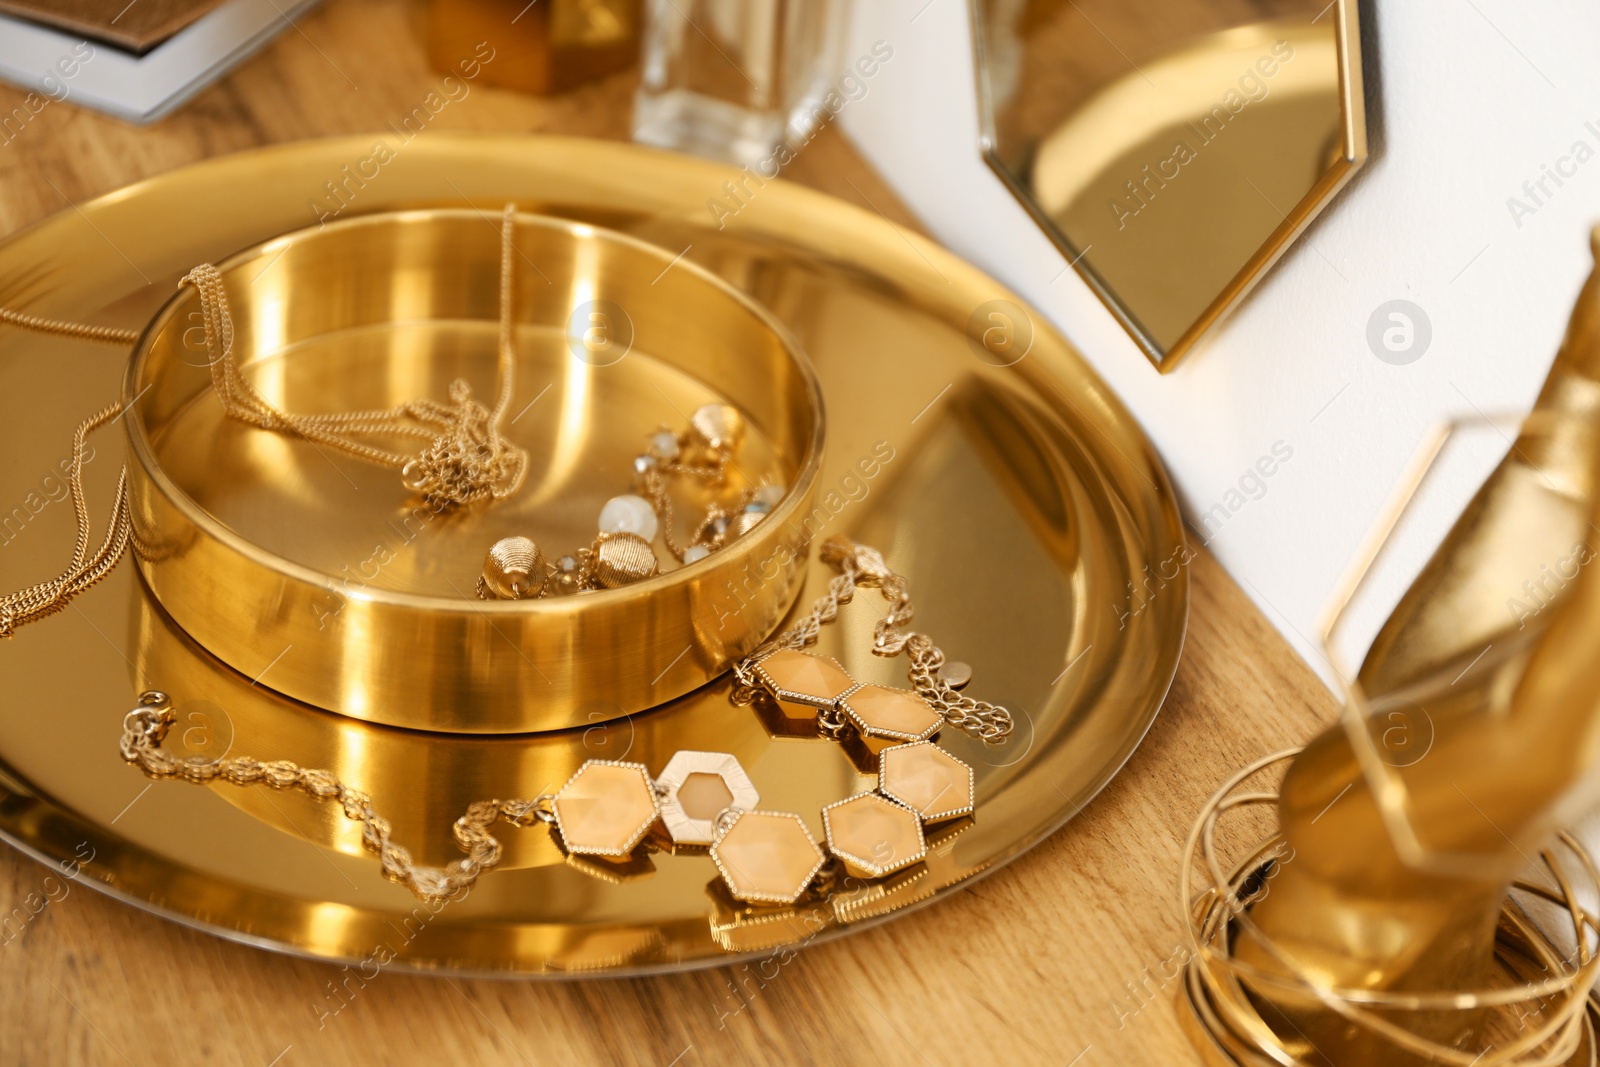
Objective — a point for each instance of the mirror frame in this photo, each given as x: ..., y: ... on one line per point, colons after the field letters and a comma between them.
x: 1352, y: 105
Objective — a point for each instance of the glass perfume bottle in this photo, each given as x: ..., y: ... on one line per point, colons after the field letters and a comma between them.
x: 734, y: 79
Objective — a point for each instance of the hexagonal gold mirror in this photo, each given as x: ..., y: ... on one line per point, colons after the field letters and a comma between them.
x: 1172, y: 151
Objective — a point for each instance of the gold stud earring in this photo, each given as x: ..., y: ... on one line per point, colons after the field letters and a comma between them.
x: 623, y: 558
x: 513, y: 569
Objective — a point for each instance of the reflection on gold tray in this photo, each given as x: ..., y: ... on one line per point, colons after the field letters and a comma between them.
x: 1175, y: 260
x: 1030, y: 515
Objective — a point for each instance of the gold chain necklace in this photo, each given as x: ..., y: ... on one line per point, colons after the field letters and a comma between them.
x: 465, y: 460
x: 610, y: 810
x: 46, y: 598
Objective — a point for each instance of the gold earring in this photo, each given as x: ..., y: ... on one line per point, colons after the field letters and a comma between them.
x: 703, y: 453
x: 515, y: 568
x: 622, y: 553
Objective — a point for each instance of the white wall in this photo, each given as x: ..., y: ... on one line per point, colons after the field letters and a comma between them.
x: 1468, y: 99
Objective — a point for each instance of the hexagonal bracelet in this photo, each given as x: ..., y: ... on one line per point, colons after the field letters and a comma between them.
x: 611, y: 809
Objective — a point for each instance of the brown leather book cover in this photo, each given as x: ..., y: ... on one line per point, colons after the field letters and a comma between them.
x: 133, y: 25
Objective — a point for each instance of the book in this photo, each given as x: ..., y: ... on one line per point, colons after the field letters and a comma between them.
x: 61, y: 64
x: 132, y: 25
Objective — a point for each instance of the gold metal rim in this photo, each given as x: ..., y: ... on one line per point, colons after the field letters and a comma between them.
x: 1353, y: 156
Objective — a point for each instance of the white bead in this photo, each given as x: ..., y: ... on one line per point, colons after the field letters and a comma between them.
x: 629, y: 514
x: 770, y: 495
x: 695, y: 553
x: 665, y: 445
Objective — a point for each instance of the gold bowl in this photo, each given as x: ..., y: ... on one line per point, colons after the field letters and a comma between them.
x: 320, y: 576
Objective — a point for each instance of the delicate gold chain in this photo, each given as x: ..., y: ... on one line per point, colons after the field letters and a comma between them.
x: 466, y: 459
x: 146, y: 727
x: 46, y: 598
x: 81, y: 331
x: 860, y: 565
x: 652, y: 485
x: 651, y: 481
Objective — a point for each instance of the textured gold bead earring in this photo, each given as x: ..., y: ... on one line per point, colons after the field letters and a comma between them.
x: 515, y: 568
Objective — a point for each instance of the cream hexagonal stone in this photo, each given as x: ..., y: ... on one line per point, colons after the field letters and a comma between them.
x: 802, y: 682
x: 886, y: 716
x: 873, y: 835
x: 605, y: 808
x: 767, y: 857
x: 927, y: 779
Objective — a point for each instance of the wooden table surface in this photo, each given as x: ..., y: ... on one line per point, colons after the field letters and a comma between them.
x: 1063, y: 957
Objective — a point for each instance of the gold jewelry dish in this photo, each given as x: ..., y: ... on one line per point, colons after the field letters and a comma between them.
x: 350, y: 591
x: 1020, y: 501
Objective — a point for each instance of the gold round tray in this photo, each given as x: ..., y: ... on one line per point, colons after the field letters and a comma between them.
x: 1029, y: 513
x: 324, y: 578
